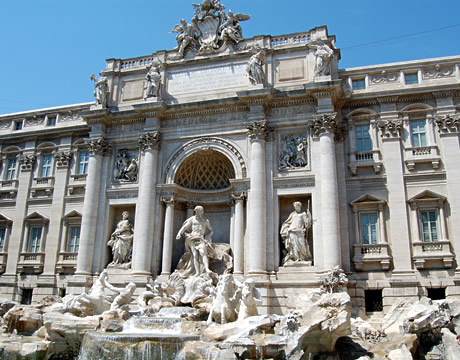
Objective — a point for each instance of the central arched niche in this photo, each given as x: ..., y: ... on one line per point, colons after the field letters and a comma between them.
x: 206, y: 172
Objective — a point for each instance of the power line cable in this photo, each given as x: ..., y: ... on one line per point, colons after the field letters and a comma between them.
x: 398, y: 37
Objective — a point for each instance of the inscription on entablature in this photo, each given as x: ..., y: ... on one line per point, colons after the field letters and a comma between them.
x: 212, y: 78
x: 125, y: 128
x: 290, y: 183
x: 133, y: 90
x: 200, y: 120
x: 291, y: 110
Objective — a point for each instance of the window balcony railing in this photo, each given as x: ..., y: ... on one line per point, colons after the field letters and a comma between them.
x: 371, y: 158
x: 67, y: 262
x: 371, y: 257
x: 433, y: 254
x: 9, y: 184
x: 422, y: 154
x: 31, y: 262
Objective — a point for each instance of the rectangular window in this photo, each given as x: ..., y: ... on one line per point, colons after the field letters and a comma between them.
x: 10, y: 169
x: 358, y: 84
x: 411, y: 78
x: 35, y: 238
x: 45, y: 169
x: 363, y: 138
x: 429, y: 222
x: 18, y: 125
x: 51, y: 121
x: 418, y: 132
x: 369, y: 228
x: 2, y: 238
x: 74, y: 239
x: 373, y: 300
x: 83, y: 163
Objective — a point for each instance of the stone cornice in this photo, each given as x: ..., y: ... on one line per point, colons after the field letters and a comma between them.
x: 150, y: 140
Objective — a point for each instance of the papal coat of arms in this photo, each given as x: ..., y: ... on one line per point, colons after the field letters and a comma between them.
x: 210, y: 31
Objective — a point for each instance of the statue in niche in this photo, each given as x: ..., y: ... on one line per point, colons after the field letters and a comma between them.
x: 101, y: 89
x: 121, y: 241
x: 255, y: 68
x: 127, y: 167
x: 293, y: 152
x: 153, y: 81
x: 323, y: 56
x: 231, y: 28
x: 198, y: 244
x: 294, y: 233
x: 187, y: 34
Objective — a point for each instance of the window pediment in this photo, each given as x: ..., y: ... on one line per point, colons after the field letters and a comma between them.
x: 36, y: 217
x: 367, y: 200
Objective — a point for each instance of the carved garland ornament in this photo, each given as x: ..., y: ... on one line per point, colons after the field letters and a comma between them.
x: 390, y: 128
x: 448, y: 124
x: 150, y: 141
x: 99, y: 146
x: 259, y: 130
x: 205, y: 140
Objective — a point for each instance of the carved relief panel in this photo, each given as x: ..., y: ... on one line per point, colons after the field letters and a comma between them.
x: 293, y: 152
x: 126, y: 167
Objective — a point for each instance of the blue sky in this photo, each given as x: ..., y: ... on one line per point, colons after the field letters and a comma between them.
x: 49, y: 47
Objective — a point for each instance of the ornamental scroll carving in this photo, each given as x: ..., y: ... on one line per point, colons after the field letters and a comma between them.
x: 150, y: 141
x: 63, y: 159
x: 293, y: 152
x: 448, y: 124
x: 27, y: 162
x: 390, y: 128
x: 384, y: 78
x: 99, y: 146
x: 438, y: 72
x: 259, y: 130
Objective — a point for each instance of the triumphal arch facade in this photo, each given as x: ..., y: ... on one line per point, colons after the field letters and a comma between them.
x: 298, y: 166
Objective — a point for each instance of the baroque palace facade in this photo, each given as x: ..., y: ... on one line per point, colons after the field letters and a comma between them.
x: 244, y: 128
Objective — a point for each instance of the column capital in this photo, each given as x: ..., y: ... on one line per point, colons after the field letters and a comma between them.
x: 324, y: 123
x: 390, y: 129
x: 99, y: 146
x: 27, y: 162
x: 63, y: 159
x: 259, y: 130
x: 150, y: 141
x: 239, y: 196
x: 448, y: 124
x: 168, y: 200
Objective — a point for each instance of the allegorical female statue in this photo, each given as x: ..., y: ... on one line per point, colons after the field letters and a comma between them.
x: 294, y: 233
x: 121, y: 241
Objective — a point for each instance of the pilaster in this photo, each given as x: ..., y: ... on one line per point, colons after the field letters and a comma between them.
x: 168, y: 238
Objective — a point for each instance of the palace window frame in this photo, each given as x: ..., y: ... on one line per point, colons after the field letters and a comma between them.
x: 5, y: 231
x: 364, y: 205
x: 46, y: 165
x: 33, y: 243
x: 428, y: 201
x: 418, y: 132
x: 82, y: 162
x: 10, y: 171
x: 69, y: 222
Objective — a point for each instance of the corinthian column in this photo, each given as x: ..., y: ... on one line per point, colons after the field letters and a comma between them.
x: 149, y: 144
x: 324, y: 126
x: 97, y: 148
x: 258, y: 133
x: 168, y: 237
